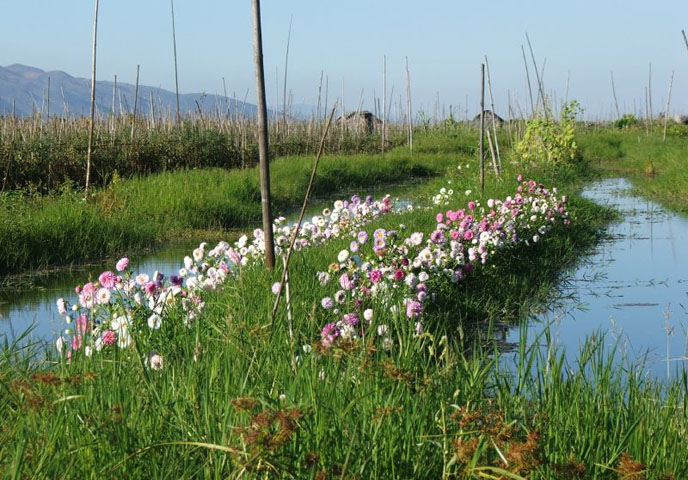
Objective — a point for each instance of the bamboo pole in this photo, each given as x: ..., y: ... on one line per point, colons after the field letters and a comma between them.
x: 176, y: 76
x: 530, y: 89
x: 89, y: 151
x: 384, y: 100
x: 538, y: 78
x: 666, y: 111
x: 136, y: 102
x: 264, y: 159
x: 306, y: 199
x: 482, y: 129
x: 616, y: 103
x: 284, y: 95
x: 685, y: 39
x: 408, y: 108
x: 496, y: 160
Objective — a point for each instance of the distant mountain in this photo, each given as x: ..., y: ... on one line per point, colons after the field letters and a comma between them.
x: 25, y: 89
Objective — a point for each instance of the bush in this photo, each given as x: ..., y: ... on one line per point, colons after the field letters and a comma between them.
x: 549, y: 142
x: 627, y: 120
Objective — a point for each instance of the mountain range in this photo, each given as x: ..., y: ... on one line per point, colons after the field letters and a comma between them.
x: 24, y: 90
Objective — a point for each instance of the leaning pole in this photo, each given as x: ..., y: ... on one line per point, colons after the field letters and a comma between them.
x: 264, y: 159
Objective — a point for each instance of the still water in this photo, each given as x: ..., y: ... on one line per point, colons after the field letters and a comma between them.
x: 632, y: 288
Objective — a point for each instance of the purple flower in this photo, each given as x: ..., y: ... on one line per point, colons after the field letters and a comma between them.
x: 176, y: 280
x: 362, y: 236
x: 353, y: 246
x: 437, y: 237
x: 327, y: 303
x: 351, y: 319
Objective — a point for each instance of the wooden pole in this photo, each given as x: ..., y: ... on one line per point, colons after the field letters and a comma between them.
x: 408, y: 108
x: 649, y: 96
x: 616, y: 103
x: 136, y: 102
x: 384, y: 100
x: 685, y: 39
x: 285, y: 132
x: 496, y: 160
x: 482, y: 129
x: 89, y: 151
x: 176, y: 77
x: 666, y: 110
x: 530, y: 89
x: 538, y: 78
x: 264, y: 159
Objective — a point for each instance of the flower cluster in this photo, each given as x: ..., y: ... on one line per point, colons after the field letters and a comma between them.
x: 392, y: 273
x: 122, y: 307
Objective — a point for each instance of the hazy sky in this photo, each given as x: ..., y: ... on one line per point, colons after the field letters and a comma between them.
x: 445, y: 42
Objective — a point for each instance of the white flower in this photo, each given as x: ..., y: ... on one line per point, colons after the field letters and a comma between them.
x: 103, y: 296
x: 382, y: 330
x: 198, y: 254
x: 340, y: 296
x: 188, y: 262
x: 423, y: 276
x: 343, y: 256
x: 307, y: 348
x: 154, y: 321
x: 142, y: 279
x: 467, y: 192
x: 536, y: 238
x: 59, y: 343
x: 124, y: 340
x: 154, y: 361
x: 368, y: 315
x: 61, y: 308
x: 88, y: 351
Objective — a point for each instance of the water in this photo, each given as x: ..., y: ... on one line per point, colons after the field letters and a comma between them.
x: 35, y: 306
x: 632, y: 288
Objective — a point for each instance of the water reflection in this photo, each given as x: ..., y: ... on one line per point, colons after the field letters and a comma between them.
x: 632, y: 287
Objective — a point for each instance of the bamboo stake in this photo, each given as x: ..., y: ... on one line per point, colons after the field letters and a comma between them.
x: 482, y: 129
x: 496, y: 160
x: 537, y: 76
x: 666, y: 111
x: 306, y: 199
x: 685, y: 39
x: 649, y: 97
x: 286, y: 64
x: 264, y: 158
x: 136, y: 102
x: 408, y: 108
x: 176, y: 76
x: 530, y: 89
x: 384, y: 101
x: 616, y: 103
x: 89, y: 152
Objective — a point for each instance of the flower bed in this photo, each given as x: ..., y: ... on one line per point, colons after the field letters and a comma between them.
x: 380, y: 284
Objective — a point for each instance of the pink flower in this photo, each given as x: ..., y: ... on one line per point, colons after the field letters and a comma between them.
x: 82, y: 324
x: 76, y: 342
x: 107, y: 279
x: 471, y: 205
x: 329, y: 334
x: 375, y: 276
x: 439, y: 218
x: 122, y: 264
x: 351, y: 319
x: 468, y: 235
x: 346, y: 282
x: 413, y: 309
x: 109, y: 337
x: 276, y: 287
x: 519, y: 178
x: 399, y: 275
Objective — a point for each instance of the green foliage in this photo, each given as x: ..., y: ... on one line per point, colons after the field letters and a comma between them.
x: 626, y: 121
x: 550, y: 142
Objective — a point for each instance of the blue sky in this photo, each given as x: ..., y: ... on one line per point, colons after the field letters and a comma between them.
x: 444, y: 40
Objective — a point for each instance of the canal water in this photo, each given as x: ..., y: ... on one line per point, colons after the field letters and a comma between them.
x: 631, y: 291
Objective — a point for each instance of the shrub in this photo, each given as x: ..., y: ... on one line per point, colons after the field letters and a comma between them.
x: 549, y: 142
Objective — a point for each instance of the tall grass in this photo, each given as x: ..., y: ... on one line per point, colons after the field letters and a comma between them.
x: 235, y: 399
x: 133, y: 214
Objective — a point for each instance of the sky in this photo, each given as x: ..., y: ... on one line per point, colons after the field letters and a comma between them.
x: 579, y: 43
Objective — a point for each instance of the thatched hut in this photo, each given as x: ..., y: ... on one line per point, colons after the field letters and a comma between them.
x: 488, y: 118
x: 361, y: 121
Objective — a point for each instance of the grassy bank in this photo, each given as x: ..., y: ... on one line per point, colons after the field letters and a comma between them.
x: 134, y: 214
x: 656, y: 167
